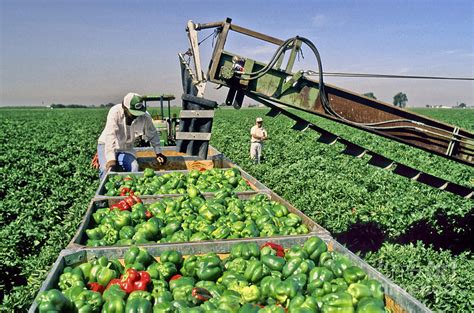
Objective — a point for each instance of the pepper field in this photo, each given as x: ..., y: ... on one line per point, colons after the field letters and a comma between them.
x: 419, y: 237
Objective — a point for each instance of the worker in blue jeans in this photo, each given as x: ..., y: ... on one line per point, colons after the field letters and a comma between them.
x: 126, y: 122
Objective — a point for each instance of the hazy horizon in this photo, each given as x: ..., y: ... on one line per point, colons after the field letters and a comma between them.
x: 94, y: 52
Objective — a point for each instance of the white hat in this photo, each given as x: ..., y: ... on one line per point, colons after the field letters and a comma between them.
x: 134, y: 103
x: 259, y: 119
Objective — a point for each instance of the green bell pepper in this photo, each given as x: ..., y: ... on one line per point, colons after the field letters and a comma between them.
x: 375, y: 287
x: 296, y: 252
x: 53, y: 300
x: 229, y: 278
x: 138, y: 213
x: 88, y: 301
x: 114, y: 291
x: 317, y: 277
x: 302, y: 304
x: 127, y: 232
x: 71, y: 278
x: 209, y: 267
x: 170, y: 228
x: 189, y: 266
x: 114, y: 305
x: 95, y: 233
x: 273, y: 262
x: 221, y: 232
x: 358, y: 291
x: 245, y: 251
x: 254, y: 271
x: 300, y: 279
x: 140, y: 294
x: 237, y: 265
x: 314, y: 247
x: 162, y: 297
x: 158, y: 286
x: 337, y: 302
x: 286, y: 290
x: 138, y: 305
x: 249, y: 308
x: 297, y: 265
x: 353, y: 274
x: 250, y: 294
x: 99, y: 214
x: 172, y: 256
x: 137, y: 258
x: 121, y: 219
x: 370, y: 305
x: 162, y: 271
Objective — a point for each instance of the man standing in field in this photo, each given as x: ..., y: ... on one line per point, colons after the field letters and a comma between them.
x: 258, y: 135
x: 126, y: 121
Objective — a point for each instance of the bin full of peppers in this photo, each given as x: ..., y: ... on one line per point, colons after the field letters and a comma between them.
x: 251, y: 278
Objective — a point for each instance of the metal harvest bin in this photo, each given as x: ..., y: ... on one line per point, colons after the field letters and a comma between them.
x: 254, y: 184
x: 80, y: 238
x: 396, y: 299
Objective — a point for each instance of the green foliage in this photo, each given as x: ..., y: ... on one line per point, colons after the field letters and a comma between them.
x: 45, y: 185
x: 400, y: 100
x: 438, y: 278
x: 370, y: 95
x: 356, y: 201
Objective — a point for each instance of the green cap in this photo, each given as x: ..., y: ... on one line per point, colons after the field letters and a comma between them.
x: 134, y: 103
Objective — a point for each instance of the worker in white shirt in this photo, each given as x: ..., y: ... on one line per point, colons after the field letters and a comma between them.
x: 258, y: 135
x: 125, y: 122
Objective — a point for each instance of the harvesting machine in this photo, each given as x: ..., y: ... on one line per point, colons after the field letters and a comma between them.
x: 276, y: 85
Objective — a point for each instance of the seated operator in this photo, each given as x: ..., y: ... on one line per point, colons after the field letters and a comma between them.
x: 125, y: 122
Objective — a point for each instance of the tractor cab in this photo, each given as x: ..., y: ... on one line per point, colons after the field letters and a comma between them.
x: 165, y: 122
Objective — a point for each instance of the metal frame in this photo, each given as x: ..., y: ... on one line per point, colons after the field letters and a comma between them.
x: 353, y: 109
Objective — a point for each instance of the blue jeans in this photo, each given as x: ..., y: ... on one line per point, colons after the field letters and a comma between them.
x: 124, y: 159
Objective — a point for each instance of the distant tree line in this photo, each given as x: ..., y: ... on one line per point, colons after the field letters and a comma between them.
x: 399, y: 100
x: 79, y: 106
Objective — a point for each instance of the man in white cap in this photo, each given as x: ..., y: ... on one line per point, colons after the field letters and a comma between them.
x: 125, y: 122
x: 258, y: 135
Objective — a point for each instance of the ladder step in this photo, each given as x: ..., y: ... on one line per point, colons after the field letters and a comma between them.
x: 327, y: 138
x: 380, y: 161
x: 196, y: 114
x: 354, y: 150
x: 193, y: 136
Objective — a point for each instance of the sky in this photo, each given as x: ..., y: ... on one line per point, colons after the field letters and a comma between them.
x: 94, y: 52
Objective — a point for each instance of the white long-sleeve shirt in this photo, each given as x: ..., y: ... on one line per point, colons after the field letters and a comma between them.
x: 118, y: 136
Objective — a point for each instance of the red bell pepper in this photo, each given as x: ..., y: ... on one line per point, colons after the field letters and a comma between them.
x: 135, y: 198
x: 174, y: 277
x: 124, y: 191
x: 278, y: 248
x: 96, y: 287
x: 201, y: 294
x: 115, y: 281
x: 134, y: 280
x: 122, y: 206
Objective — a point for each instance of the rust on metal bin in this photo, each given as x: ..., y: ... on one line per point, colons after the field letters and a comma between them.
x: 397, y: 299
x: 79, y: 239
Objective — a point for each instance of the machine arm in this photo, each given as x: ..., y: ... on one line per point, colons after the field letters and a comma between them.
x: 275, y: 85
x: 275, y: 82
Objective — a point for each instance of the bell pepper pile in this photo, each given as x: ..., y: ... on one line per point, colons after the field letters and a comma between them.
x: 176, y: 183
x: 301, y: 279
x: 192, y: 218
